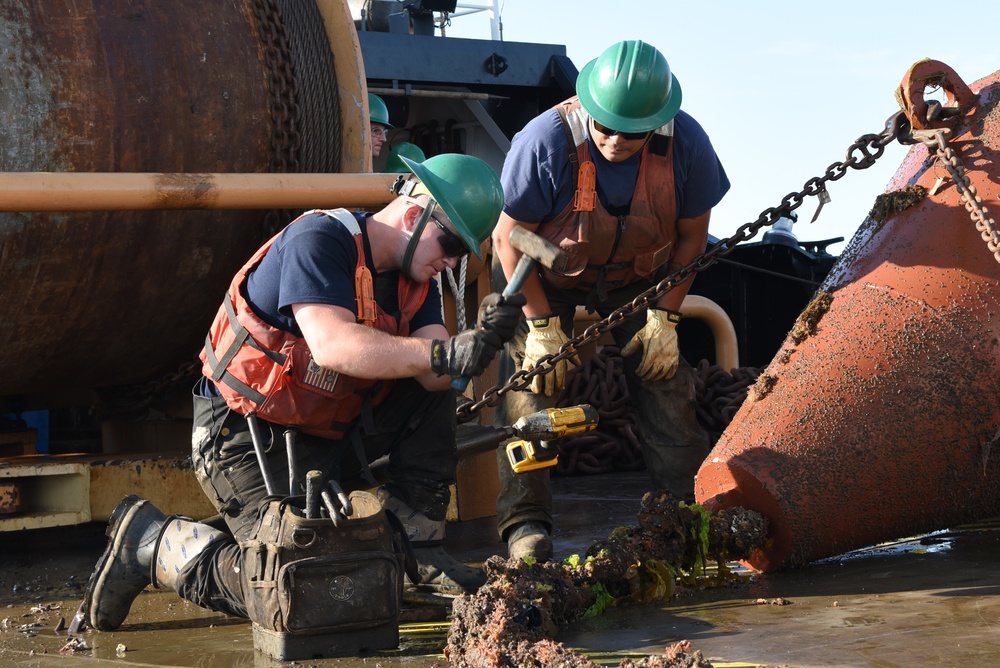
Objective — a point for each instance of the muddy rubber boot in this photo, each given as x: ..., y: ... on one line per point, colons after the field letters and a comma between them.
x: 443, y: 574
x: 123, y: 571
x: 439, y: 571
x: 530, y: 539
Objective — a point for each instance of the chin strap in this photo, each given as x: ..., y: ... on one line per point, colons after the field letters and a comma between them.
x: 418, y: 231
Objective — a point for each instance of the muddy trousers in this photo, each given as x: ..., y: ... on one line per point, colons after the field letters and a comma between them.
x: 414, y: 427
x: 673, y: 442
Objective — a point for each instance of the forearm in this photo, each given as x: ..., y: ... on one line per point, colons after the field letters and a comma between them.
x: 692, y: 239
x: 365, y: 352
x: 340, y: 344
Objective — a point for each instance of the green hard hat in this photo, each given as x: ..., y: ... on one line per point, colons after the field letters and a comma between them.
x: 629, y: 87
x: 403, y: 150
x: 377, y: 111
x: 467, y: 189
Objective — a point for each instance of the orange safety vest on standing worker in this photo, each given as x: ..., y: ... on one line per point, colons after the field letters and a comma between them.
x: 265, y: 370
x: 608, y: 251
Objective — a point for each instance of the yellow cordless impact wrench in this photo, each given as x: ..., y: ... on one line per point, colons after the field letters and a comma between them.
x: 535, y: 431
x: 531, y: 451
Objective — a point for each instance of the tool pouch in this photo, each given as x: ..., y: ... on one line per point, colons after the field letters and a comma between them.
x: 314, y: 589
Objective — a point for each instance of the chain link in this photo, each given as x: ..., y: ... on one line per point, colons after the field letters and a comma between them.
x: 937, y: 141
x: 860, y: 155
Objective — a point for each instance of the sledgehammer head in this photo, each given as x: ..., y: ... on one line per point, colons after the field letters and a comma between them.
x: 542, y: 251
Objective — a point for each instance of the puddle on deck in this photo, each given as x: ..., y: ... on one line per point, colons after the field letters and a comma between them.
x: 929, y: 601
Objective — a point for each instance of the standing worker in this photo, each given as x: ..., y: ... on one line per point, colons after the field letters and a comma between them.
x: 341, y: 331
x: 378, y: 123
x: 625, y: 183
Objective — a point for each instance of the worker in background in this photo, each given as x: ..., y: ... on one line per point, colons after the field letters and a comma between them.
x: 366, y: 374
x: 625, y: 182
x: 394, y: 163
x: 378, y: 122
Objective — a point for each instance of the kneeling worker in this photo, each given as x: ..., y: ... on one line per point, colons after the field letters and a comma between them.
x: 337, y: 323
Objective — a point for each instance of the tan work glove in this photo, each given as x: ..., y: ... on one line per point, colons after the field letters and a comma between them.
x: 545, y: 336
x: 658, y: 341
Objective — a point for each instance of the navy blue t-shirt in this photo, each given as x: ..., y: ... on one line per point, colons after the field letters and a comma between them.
x: 538, y: 185
x: 313, y: 262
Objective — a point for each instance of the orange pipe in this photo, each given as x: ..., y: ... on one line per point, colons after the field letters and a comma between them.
x: 133, y: 191
x: 882, y: 421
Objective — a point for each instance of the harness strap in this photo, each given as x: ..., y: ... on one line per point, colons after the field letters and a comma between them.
x: 574, y: 160
x: 364, y: 290
x: 219, y: 365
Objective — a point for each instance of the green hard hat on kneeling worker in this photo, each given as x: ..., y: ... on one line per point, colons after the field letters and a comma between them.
x: 467, y: 189
x: 629, y: 88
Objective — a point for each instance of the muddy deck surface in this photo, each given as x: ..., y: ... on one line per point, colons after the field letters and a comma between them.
x: 928, y: 601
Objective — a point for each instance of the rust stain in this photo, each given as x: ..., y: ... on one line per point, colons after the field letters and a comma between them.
x: 184, y: 191
x: 10, y: 498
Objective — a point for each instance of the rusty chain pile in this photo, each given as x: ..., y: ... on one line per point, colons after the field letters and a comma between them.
x: 860, y: 155
x: 614, y: 445
x: 720, y: 394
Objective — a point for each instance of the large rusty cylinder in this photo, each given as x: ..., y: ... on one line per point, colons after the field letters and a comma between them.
x: 97, y: 298
x: 878, y: 418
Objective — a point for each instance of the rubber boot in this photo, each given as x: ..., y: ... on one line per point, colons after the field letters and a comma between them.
x: 123, y: 571
x: 529, y: 539
x: 139, y: 537
x: 439, y: 571
x: 180, y: 542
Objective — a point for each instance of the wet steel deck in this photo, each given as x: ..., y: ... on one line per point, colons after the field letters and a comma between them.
x: 930, y: 601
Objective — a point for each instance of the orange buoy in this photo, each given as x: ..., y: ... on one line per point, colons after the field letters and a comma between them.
x: 879, y: 416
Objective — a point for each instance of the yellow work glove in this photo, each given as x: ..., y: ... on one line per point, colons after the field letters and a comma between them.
x: 545, y: 336
x: 658, y: 341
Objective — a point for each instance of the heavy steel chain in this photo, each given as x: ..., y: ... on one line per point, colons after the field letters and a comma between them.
x: 937, y: 141
x: 860, y: 155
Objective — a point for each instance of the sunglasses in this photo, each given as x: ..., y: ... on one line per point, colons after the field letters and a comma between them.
x: 451, y: 244
x: 611, y: 133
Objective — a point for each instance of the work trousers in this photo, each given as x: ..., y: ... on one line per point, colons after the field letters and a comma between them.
x: 414, y: 427
x: 674, y: 444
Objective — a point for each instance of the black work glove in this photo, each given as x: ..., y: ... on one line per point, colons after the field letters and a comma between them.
x: 466, y: 354
x: 501, y: 315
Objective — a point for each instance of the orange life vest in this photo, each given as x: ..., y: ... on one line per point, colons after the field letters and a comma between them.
x: 265, y: 370
x: 605, y: 250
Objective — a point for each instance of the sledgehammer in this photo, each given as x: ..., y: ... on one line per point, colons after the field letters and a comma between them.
x: 534, y: 250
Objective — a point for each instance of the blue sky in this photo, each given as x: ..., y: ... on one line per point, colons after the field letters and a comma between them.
x: 782, y: 88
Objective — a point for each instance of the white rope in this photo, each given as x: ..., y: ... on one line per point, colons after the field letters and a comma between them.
x: 458, y: 293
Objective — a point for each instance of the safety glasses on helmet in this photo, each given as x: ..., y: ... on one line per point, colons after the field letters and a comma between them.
x: 608, y: 132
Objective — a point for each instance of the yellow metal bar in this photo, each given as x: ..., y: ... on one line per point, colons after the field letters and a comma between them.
x: 131, y: 191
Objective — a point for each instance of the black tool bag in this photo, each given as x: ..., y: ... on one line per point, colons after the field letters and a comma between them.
x: 315, y: 590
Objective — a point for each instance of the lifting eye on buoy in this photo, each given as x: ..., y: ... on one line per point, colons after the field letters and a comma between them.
x: 925, y: 114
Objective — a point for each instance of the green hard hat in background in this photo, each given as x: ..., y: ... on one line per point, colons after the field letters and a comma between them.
x: 377, y: 111
x: 629, y: 87
x: 467, y: 189
x: 403, y: 150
